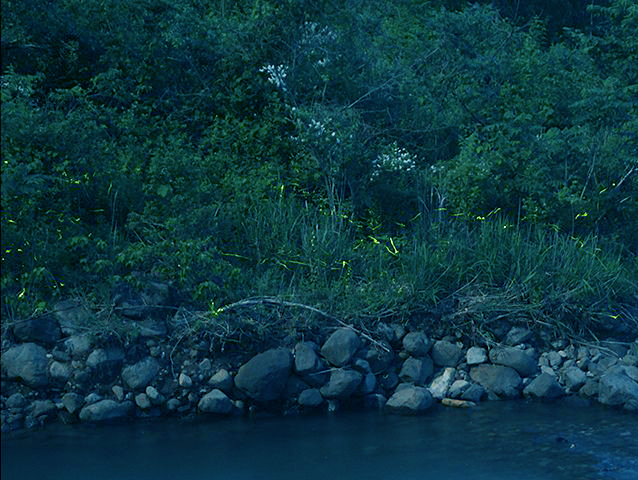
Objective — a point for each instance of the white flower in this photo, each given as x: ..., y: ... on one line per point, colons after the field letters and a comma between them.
x: 276, y: 75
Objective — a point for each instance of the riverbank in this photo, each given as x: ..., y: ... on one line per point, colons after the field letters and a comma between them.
x: 54, y: 370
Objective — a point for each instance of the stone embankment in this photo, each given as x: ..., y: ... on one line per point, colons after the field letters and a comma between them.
x: 52, y: 371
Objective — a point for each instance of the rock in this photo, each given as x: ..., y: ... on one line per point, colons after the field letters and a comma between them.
x: 263, y: 377
x: 27, y: 362
x: 306, y: 358
x: 544, y: 386
x: 78, y: 345
x: 497, y: 379
x: 374, y: 401
x: 457, y: 388
x: 43, y: 329
x: 555, y: 359
x: 72, y: 402
x: 118, y: 391
x: 142, y: 401
x: 616, y: 388
x: 152, y: 327
x: 222, y: 381
x: 216, y: 402
x: 60, y: 372
x: 446, y: 354
x: 518, y: 335
x: 341, y: 346
x: 590, y: 389
x: 441, y: 383
x: 369, y: 383
x: 72, y: 316
x: 452, y: 402
x: 16, y: 401
x: 573, y: 378
x: 140, y: 374
x: 389, y: 380
x: 172, y: 404
x: 154, y: 396
x: 521, y: 361
x: 409, y: 400
x: 105, y: 364
x: 416, y: 370
x: 42, y: 407
x: 310, y: 398
x: 476, y: 356
x: 378, y: 358
x: 92, y: 398
x: 474, y: 393
x: 342, y: 384
x: 294, y: 386
x: 106, y: 410
x: 417, y: 344
x: 184, y: 380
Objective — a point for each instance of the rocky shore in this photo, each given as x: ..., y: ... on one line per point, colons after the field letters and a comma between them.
x: 53, y: 370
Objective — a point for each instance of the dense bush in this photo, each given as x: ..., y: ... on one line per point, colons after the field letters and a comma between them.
x: 376, y: 159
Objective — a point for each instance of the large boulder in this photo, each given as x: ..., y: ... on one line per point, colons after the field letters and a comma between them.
x: 442, y: 382
x: 417, y: 344
x: 309, y: 365
x: 27, y: 362
x: 342, y: 384
x: 416, y: 370
x: 263, y: 378
x: 216, y: 402
x: 475, y: 356
x: 341, y: 346
x: 617, y: 388
x: 520, y: 360
x: 105, y: 363
x: 446, y: 354
x: 43, y: 329
x: 573, y: 378
x: 106, y: 410
x: 544, y: 386
x: 409, y: 400
x: 498, y: 380
x: 140, y: 374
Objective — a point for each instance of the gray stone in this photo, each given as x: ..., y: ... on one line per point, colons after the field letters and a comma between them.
x: 173, y: 404
x: 389, y: 380
x: 118, y: 391
x: 457, y: 388
x: 106, y: 410
x: 417, y: 344
x: 369, y: 383
x: 573, y: 378
x: 518, y: 335
x: 222, y: 381
x: 342, y: 384
x: 92, y: 398
x: 616, y: 388
x: 216, y: 402
x: 341, y: 346
x: 60, y: 372
x: 263, y: 377
x: 72, y: 402
x: 105, y: 363
x: 306, y: 358
x: 27, y: 362
x: 294, y: 386
x: 379, y: 359
x: 374, y: 401
x: 476, y: 356
x: 154, y: 395
x: 79, y: 345
x: 590, y: 389
x: 474, y: 393
x: 310, y: 397
x: 140, y: 374
x: 142, y: 401
x: 184, y: 380
x: 416, y: 370
x: 544, y: 386
x: 72, y: 316
x: 442, y: 382
x: 42, y: 407
x: 446, y: 354
x: 43, y: 329
x: 361, y: 365
x: 409, y: 400
x: 497, y: 379
x: 520, y: 360
x: 17, y: 400
x: 555, y: 359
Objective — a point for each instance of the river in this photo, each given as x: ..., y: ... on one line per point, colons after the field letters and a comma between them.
x: 515, y: 440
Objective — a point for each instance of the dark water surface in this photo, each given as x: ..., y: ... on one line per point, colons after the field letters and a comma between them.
x: 496, y: 441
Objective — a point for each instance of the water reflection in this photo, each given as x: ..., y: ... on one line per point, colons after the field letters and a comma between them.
x: 496, y: 441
